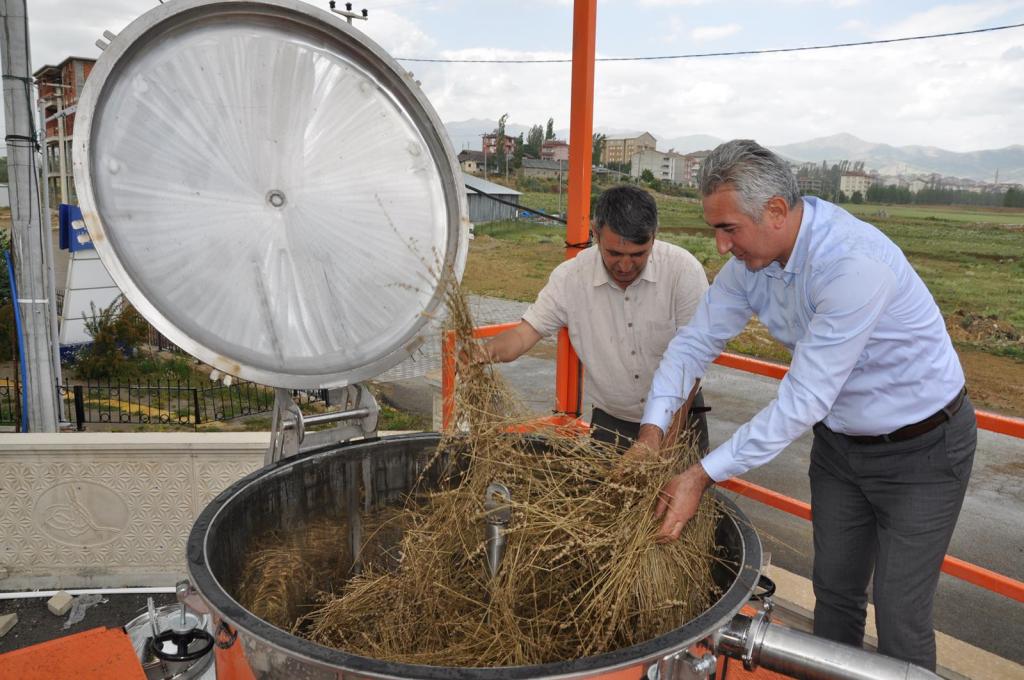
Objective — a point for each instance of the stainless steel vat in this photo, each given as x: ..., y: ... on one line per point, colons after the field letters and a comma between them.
x: 347, y: 481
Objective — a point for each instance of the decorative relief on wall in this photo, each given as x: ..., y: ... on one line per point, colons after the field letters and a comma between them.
x: 62, y: 514
x: 80, y: 513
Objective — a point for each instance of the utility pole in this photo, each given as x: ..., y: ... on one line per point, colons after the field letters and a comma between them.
x: 348, y: 13
x: 29, y: 241
x: 485, y: 154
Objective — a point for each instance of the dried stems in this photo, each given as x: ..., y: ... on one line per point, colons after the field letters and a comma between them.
x: 581, y: 573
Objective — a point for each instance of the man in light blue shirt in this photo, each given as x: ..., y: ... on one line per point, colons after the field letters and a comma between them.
x: 874, y: 373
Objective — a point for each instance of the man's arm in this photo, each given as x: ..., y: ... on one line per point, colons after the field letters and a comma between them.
x: 722, y: 313
x: 511, y: 344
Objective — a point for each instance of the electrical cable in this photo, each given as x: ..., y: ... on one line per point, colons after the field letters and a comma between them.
x: 735, y: 53
x: 515, y: 205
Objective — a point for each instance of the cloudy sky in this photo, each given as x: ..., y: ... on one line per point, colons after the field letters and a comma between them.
x: 960, y: 93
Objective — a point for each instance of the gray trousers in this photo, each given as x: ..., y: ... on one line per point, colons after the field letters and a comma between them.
x: 888, y: 509
x: 622, y: 433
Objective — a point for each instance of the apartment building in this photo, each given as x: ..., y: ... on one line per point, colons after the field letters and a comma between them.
x: 59, y: 89
x: 850, y: 182
x: 554, y: 150
x: 620, y: 148
x: 666, y: 166
x: 489, y: 144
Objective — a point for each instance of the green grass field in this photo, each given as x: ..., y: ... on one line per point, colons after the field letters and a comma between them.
x: 972, y: 259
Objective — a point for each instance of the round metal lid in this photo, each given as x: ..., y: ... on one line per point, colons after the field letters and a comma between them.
x: 269, y: 189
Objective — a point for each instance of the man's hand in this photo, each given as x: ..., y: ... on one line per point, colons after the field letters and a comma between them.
x: 506, y: 346
x: 646, y: 447
x: 678, y: 501
x: 474, y: 353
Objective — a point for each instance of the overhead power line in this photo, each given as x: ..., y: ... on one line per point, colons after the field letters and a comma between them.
x: 736, y: 53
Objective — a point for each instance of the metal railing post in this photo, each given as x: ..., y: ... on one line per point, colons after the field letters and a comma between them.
x: 195, y: 402
x: 79, y: 408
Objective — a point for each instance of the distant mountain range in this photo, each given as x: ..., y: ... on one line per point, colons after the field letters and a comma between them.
x: 884, y: 158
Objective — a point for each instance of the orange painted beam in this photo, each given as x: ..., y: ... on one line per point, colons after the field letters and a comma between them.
x: 965, y: 571
x: 993, y: 422
x: 768, y: 497
x: 985, y: 578
x: 568, y: 370
x: 752, y: 365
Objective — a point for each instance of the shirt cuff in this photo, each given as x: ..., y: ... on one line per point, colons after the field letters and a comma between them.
x: 720, y: 465
x: 659, y: 411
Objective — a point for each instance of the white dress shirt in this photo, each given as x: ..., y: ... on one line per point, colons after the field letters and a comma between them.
x: 620, y: 334
x: 870, y: 349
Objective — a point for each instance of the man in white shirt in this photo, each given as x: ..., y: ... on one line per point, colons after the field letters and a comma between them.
x: 874, y: 373
x: 622, y: 301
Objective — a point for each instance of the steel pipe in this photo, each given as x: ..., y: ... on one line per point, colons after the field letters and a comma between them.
x: 758, y: 643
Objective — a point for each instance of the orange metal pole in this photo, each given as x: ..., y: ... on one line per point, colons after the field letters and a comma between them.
x: 752, y: 365
x: 993, y: 422
x: 985, y: 578
x: 447, y: 379
x: 768, y: 497
x: 568, y: 374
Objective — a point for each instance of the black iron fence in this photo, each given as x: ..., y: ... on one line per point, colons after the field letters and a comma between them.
x: 169, y: 403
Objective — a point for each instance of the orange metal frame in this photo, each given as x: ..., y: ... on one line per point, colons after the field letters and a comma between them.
x: 979, y: 576
x: 569, y: 370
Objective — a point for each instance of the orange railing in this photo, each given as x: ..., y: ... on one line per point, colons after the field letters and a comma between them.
x: 979, y: 576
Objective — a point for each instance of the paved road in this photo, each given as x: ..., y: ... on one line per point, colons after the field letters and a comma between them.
x: 988, y: 534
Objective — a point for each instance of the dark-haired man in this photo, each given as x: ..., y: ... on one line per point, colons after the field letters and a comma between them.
x: 874, y: 373
x: 622, y: 301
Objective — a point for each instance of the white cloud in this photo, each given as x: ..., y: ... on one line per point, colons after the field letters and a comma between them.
x: 672, y: 3
x: 399, y: 36
x: 705, y: 33
x: 948, y: 18
x: 960, y: 93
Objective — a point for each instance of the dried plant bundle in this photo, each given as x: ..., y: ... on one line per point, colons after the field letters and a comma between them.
x: 581, y: 573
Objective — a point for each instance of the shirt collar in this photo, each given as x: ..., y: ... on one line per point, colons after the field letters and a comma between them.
x: 798, y: 257
x: 600, y: 275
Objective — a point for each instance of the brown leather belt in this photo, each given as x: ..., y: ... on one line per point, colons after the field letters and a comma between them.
x: 941, y: 416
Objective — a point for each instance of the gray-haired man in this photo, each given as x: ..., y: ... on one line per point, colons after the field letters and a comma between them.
x: 874, y: 373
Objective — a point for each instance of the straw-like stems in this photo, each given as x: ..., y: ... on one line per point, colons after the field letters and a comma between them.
x: 581, y: 573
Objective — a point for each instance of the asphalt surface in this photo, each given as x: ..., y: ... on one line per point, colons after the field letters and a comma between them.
x: 36, y: 623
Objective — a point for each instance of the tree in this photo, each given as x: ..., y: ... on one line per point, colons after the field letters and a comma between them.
x: 517, y: 158
x: 647, y: 176
x: 1014, y: 198
x: 549, y: 133
x: 3, y: 169
x: 598, y: 147
x: 857, y: 197
x: 534, y: 139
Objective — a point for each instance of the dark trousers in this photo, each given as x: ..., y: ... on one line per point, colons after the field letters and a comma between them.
x: 622, y: 433
x: 889, y: 509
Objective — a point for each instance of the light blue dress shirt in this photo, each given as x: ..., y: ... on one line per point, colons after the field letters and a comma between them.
x: 870, y: 349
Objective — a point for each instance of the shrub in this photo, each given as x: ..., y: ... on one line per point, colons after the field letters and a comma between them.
x: 116, y: 333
